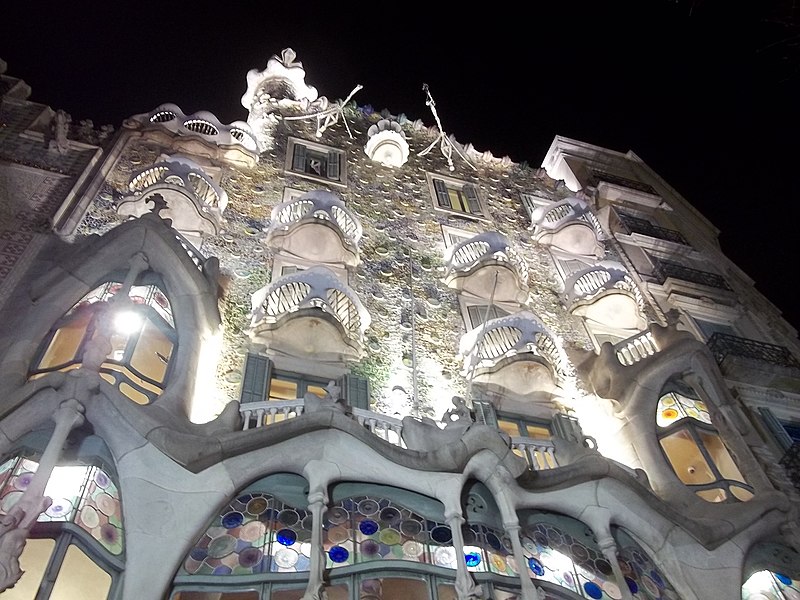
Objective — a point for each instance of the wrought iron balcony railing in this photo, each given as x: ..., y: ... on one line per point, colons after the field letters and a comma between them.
x: 665, y: 269
x: 723, y: 345
x: 791, y: 463
x: 636, y: 225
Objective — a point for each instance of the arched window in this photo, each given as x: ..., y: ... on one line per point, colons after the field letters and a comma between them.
x: 76, y: 547
x: 142, y: 337
x: 564, y: 552
x: 694, y: 448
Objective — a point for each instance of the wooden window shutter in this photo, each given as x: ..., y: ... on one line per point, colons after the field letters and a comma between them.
x: 334, y: 165
x: 257, y: 370
x: 775, y: 427
x: 473, y: 203
x: 356, y: 391
x: 299, y: 158
x: 442, y: 197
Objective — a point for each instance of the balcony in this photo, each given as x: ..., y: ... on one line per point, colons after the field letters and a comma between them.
x: 310, y: 314
x: 316, y: 226
x: 178, y: 189
x: 516, y: 353
x: 568, y: 225
x: 756, y: 362
x: 486, y: 266
x: 539, y: 454
x: 665, y: 269
x: 636, y: 348
x: 606, y: 294
x: 633, y: 224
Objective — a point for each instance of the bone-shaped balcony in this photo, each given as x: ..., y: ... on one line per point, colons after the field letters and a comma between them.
x: 316, y: 226
x: 178, y: 189
x: 605, y: 293
x: 515, y: 352
x: 310, y: 314
x: 568, y: 225
x: 486, y: 266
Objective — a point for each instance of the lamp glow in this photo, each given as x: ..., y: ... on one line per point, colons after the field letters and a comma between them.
x: 127, y: 322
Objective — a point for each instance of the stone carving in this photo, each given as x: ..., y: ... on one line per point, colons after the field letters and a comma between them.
x: 14, y: 529
x: 59, y: 129
x: 331, y: 401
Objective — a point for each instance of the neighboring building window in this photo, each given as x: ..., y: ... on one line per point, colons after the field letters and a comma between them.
x: 316, y: 161
x: 478, y: 313
x: 709, y: 328
x: 142, y: 338
x: 695, y: 449
x: 455, y: 196
x: 81, y: 531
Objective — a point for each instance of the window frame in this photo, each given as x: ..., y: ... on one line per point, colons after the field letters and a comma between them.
x: 291, y: 164
x: 438, y: 183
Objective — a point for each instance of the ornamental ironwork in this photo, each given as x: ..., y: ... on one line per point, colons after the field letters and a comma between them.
x: 636, y: 225
x: 664, y: 269
x: 723, y: 345
x: 791, y: 462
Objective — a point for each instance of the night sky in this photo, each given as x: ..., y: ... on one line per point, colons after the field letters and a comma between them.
x: 704, y: 92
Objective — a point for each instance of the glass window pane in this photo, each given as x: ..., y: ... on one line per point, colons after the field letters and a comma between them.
x: 33, y: 563
x: 152, y: 353
x: 538, y: 432
x: 317, y: 389
x: 65, y: 342
x: 247, y: 595
x: 446, y: 591
x: 713, y: 495
x: 509, y: 427
x: 394, y: 588
x: 720, y: 455
x: 282, y: 389
x: 80, y: 577
x: 686, y: 459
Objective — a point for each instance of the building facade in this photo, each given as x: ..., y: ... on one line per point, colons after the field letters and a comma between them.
x: 333, y: 352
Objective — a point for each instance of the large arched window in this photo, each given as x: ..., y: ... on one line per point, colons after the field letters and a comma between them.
x: 694, y: 448
x: 76, y: 547
x: 142, y: 337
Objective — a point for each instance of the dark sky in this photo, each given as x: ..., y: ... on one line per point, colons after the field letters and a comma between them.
x: 705, y: 92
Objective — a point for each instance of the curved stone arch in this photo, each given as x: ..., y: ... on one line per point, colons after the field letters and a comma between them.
x: 770, y: 565
x: 190, y: 287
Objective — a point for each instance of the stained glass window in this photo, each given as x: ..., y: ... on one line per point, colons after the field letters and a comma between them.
x: 695, y: 449
x: 770, y: 585
x: 84, y: 495
x: 254, y: 533
x: 576, y: 563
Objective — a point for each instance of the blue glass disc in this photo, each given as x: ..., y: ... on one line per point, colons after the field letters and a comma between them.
x: 368, y: 526
x: 338, y: 554
x: 441, y: 534
x: 783, y: 579
x: 232, y: 519
x: 632, y: 585
x: 536, y: 567
x: 286, y: 537
x: 593, y: 590
x: 473, y: 559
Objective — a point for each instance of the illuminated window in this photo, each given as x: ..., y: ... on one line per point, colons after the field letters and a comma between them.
x: 316, y: 161
x: 142, y: 339
x: 694, y: 448
x: 769, y: 584
x: 455, y: 196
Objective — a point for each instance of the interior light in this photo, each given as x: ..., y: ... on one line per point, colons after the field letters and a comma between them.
x: 127, y: 322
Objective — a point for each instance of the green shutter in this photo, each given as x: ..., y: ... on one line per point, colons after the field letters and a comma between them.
x: 356, y: 391
x: 334, y: 170
x: 472, y: 199
x: 256, y: 377
x: 775, y: 427
x: 442, y: 197
x: 484, y: 412
x: 299, y: 158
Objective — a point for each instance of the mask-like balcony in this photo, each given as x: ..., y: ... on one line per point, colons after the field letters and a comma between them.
x: 486, y: 266
x: 310, y: 314
x: 316, y: 226
x: 182, y: 191
x: 606, y: 294
x: 515, y: 352
x: 568, y: 225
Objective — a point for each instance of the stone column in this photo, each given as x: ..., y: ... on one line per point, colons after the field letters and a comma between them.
x: 16, y: 525
x: 529, y: 591
x: 609, y: 548
x: 466, y: 588
x: 317, y: 503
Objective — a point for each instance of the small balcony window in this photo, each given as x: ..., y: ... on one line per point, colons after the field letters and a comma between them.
x: 316, y: 161
x: 455, y: 196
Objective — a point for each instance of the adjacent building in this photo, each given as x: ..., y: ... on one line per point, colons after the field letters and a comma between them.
x: 332, y: 352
